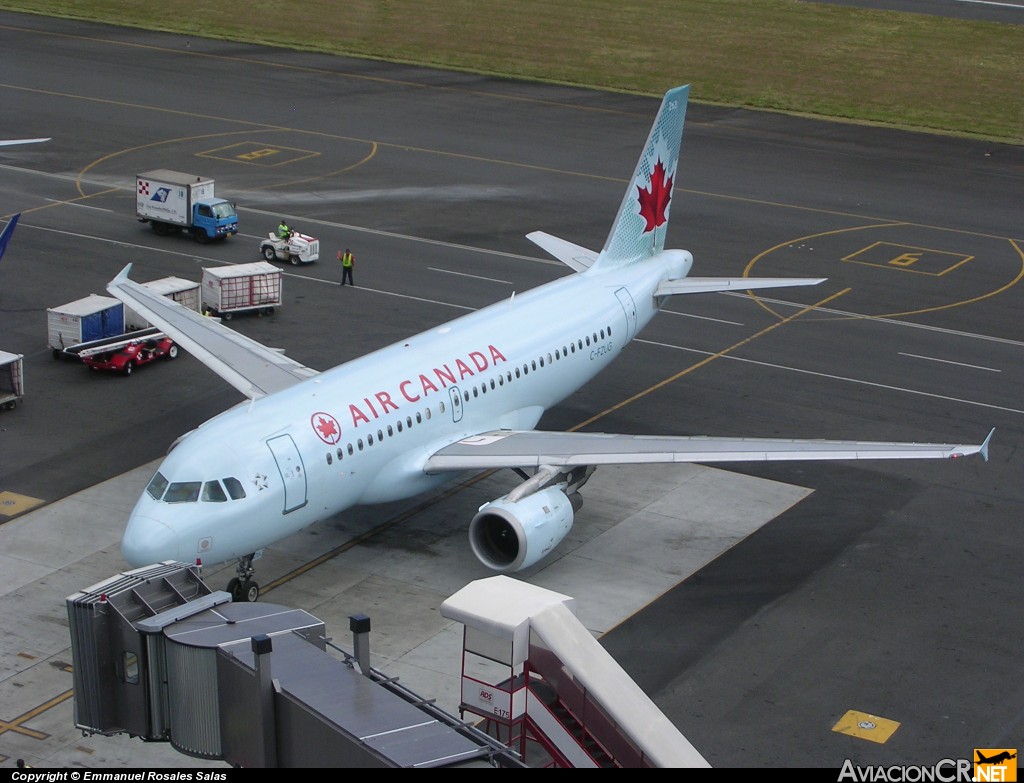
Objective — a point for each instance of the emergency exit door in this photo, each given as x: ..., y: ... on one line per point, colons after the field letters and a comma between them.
x: 629, y: 310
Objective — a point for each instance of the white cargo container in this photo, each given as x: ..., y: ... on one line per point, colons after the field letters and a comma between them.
x: 241, y: 287
x: 184, y: 292
x: 12, y: 379
x: 84, y: 320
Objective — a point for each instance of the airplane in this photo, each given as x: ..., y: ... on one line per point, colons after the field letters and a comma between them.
x: 7, y: 233
x: 465, y: 395
x: 999, y: 758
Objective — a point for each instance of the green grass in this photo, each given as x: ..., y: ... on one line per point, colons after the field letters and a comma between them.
x: 907, y: 70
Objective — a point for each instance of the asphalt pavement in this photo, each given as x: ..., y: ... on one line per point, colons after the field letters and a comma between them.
x: 888, y: 591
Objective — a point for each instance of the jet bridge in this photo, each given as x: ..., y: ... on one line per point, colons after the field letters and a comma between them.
x: 157, y: 655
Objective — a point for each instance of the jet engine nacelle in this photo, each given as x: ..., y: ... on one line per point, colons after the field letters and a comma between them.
x: 509, y: 535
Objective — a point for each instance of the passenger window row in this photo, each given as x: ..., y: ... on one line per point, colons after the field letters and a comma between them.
x: 359, y: 444
x: 563, y: 353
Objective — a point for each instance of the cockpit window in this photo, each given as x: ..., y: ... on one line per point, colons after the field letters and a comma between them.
x: 213, y: 492
x: 157, y: 486
x: 183, y: 492
x: 234, y: 488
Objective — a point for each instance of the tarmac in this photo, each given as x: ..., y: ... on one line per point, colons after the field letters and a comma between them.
x: 863, y: 595
x: 641, y: 532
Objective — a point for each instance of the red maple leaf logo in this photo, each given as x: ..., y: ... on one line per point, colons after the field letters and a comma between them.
x: 326, y: 427
x: 654, y: 202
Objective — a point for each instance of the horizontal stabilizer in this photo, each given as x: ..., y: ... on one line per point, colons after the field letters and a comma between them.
x: 703, y: 285
x: 573, y: 256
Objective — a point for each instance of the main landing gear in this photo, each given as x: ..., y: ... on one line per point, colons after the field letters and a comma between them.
x: 243, y: 587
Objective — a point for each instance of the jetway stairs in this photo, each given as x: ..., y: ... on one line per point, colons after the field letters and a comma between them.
x: 545, y: 686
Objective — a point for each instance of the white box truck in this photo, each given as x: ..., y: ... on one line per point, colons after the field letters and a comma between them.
x: 241, y: 287
x: 184, y: 292
x: 174, y: 201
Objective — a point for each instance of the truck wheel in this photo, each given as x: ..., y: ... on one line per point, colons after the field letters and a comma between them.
x: 128, y: 367
x: 160, y: 229
x: 268, y: 253
x: 295, y: 260
x: 200, y: 236
x: 172, y: 352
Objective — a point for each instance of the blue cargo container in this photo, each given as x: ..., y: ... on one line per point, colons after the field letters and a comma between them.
x: 83, y: 321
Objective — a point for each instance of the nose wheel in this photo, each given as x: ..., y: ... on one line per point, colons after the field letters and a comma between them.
x: 243, y: 587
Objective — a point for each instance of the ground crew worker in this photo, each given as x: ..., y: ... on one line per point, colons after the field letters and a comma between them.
x: 283, y: 231
x: 347, y: 262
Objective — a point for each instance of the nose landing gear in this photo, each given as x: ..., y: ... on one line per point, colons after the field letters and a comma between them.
x: 243, y: 587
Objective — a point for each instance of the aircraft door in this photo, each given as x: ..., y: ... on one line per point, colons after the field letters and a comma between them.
x: 293, y: 474
x: 456, y: 397
x: 629, y: 308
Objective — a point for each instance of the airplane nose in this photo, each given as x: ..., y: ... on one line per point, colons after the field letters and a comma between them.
x: 147, y: 541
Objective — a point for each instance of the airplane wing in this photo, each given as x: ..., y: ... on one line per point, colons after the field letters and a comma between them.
x: 12, y: 142
x: 251, y: 367
x: 573, y: 256
x: 529, y: 448
x: 703, y: 285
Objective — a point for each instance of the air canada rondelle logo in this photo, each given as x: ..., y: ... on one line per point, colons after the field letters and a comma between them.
x: 326, y: 428
x: 996, y: 764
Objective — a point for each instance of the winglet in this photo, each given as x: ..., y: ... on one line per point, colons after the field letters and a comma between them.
x: 122, y: 276
x: 984, y: 446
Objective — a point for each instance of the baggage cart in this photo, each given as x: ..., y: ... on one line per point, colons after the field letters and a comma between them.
x: 184, y: 292
x: 12, y: 379
x: 255, y: 287
x: 83, y: 321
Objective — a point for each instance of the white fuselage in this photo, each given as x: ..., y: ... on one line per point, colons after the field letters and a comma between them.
x: 361, y: 432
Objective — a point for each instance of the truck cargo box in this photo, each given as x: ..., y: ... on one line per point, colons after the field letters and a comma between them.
x: 184, y: 292
x: 12, y: 379
x: 240, y: 287
x: 172, y: 201
x: 168, y: 196
x: 83, y: 320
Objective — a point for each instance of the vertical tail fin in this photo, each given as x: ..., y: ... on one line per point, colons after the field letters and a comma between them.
x: 639, y: 229
x: 5, y: 235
